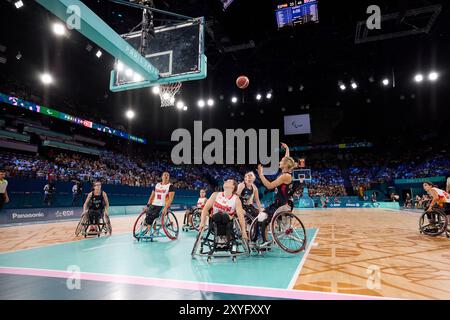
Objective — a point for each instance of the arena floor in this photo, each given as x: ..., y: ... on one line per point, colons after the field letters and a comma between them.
x: 351, y: 254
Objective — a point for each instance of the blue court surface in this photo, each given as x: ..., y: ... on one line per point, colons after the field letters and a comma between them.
x: 121, y: 260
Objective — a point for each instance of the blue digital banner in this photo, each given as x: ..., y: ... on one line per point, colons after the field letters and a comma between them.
x: 332, y: 146
x: 14, y: 101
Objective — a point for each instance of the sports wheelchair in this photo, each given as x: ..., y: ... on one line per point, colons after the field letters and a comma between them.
x: 250, y: 213
x: 285, y: 230
x: 165, y: 225
x: 196, y: 217
x: 103, y: 226
x: 435, y: 222
x: 217, y: 244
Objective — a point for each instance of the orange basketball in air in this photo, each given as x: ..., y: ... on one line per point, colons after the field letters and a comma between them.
x: 242, y: 82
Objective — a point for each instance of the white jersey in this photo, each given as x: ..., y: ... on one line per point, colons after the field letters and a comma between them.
x: 444, y: 197
x: 201, y: 202
x: 161, y: 194
x: 225, y: 204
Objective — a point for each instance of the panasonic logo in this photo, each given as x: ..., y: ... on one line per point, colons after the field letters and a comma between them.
x: 28, y: 215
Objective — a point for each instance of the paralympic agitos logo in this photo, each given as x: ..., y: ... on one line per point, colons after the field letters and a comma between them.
x: 262, y: 146
x: 297, y: 125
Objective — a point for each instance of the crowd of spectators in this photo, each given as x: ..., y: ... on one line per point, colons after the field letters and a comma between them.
x: 110, y: 168
x: 117, y: 168
x: 327, y: 182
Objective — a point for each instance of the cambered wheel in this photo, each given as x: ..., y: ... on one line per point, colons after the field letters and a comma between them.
x: 170, y: 225
x: 196, y: 218
x: 255, y: 236
x: 436, y: 225
x: 81, y: 224
x: 197, y: 243
x: 288, y: 232
x: 139, y: 228
x: 108, y: 227
x: 238, y: 234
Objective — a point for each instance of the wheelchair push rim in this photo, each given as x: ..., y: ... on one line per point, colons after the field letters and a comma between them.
x: 139, y: 228
x: 107, y: 222
x: 238, y: 233
x: 441, y: 223
x: 196, y: 218
x: 81, y: 225
x: 170, y: 225
x: 255, y: 237
x: 288, y: 232
x: 198, y: 240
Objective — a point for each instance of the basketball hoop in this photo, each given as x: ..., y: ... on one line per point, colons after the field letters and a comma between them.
x: 167, y: 93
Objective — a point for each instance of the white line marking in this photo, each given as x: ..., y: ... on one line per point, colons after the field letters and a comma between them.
x: 302, y: 262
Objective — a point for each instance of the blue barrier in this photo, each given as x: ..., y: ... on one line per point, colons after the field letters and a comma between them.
x: 28, y: 193
x: 34, y: 215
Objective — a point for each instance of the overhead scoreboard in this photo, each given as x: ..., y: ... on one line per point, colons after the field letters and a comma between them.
x: 292, y: 13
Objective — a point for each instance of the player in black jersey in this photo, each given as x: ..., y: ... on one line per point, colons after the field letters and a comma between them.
x: 96, y: 205
x: 248, y: 193
x: 283, y: 187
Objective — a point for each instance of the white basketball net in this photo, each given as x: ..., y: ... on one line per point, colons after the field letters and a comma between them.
x: 167, y: 93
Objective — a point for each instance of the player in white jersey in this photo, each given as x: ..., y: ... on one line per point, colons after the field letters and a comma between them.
x: 160, y: 199
x: 439, y: 198
x: 189, y: 212
x: 221, y: 207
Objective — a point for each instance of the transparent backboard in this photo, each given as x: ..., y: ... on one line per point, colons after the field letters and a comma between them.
x: 302, y: 174
x: 176, y: 50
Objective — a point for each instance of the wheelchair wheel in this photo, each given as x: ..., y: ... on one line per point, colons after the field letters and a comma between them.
x: 248, y: 220
x: 197, y: 243
x: 140, y: 228
x: 288, y: 232
x: 255, y: 236
x: 435, y: 226
x: 238, y: 234
x: 81, y: 224
x: 196, y: 218
x: 170, y: 225
x: 108, y: 228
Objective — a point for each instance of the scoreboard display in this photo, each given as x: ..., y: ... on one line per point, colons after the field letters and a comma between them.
x: 298, y: 12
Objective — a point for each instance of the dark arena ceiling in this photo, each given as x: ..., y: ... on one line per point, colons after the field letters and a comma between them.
x: 301, y: 66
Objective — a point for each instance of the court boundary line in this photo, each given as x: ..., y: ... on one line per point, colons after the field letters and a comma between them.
x: 192, y: 285
x: 302, y: 262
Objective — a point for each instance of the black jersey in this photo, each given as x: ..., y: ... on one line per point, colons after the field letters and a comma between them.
x: 97, y: 202
x: 246, y: 195
x: 284, y: 194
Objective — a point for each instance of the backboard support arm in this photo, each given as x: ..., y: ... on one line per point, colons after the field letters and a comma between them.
x: 144, y: 7
x: 95, y: 29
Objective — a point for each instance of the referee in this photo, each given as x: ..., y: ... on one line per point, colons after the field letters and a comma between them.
x: 3, y: 185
